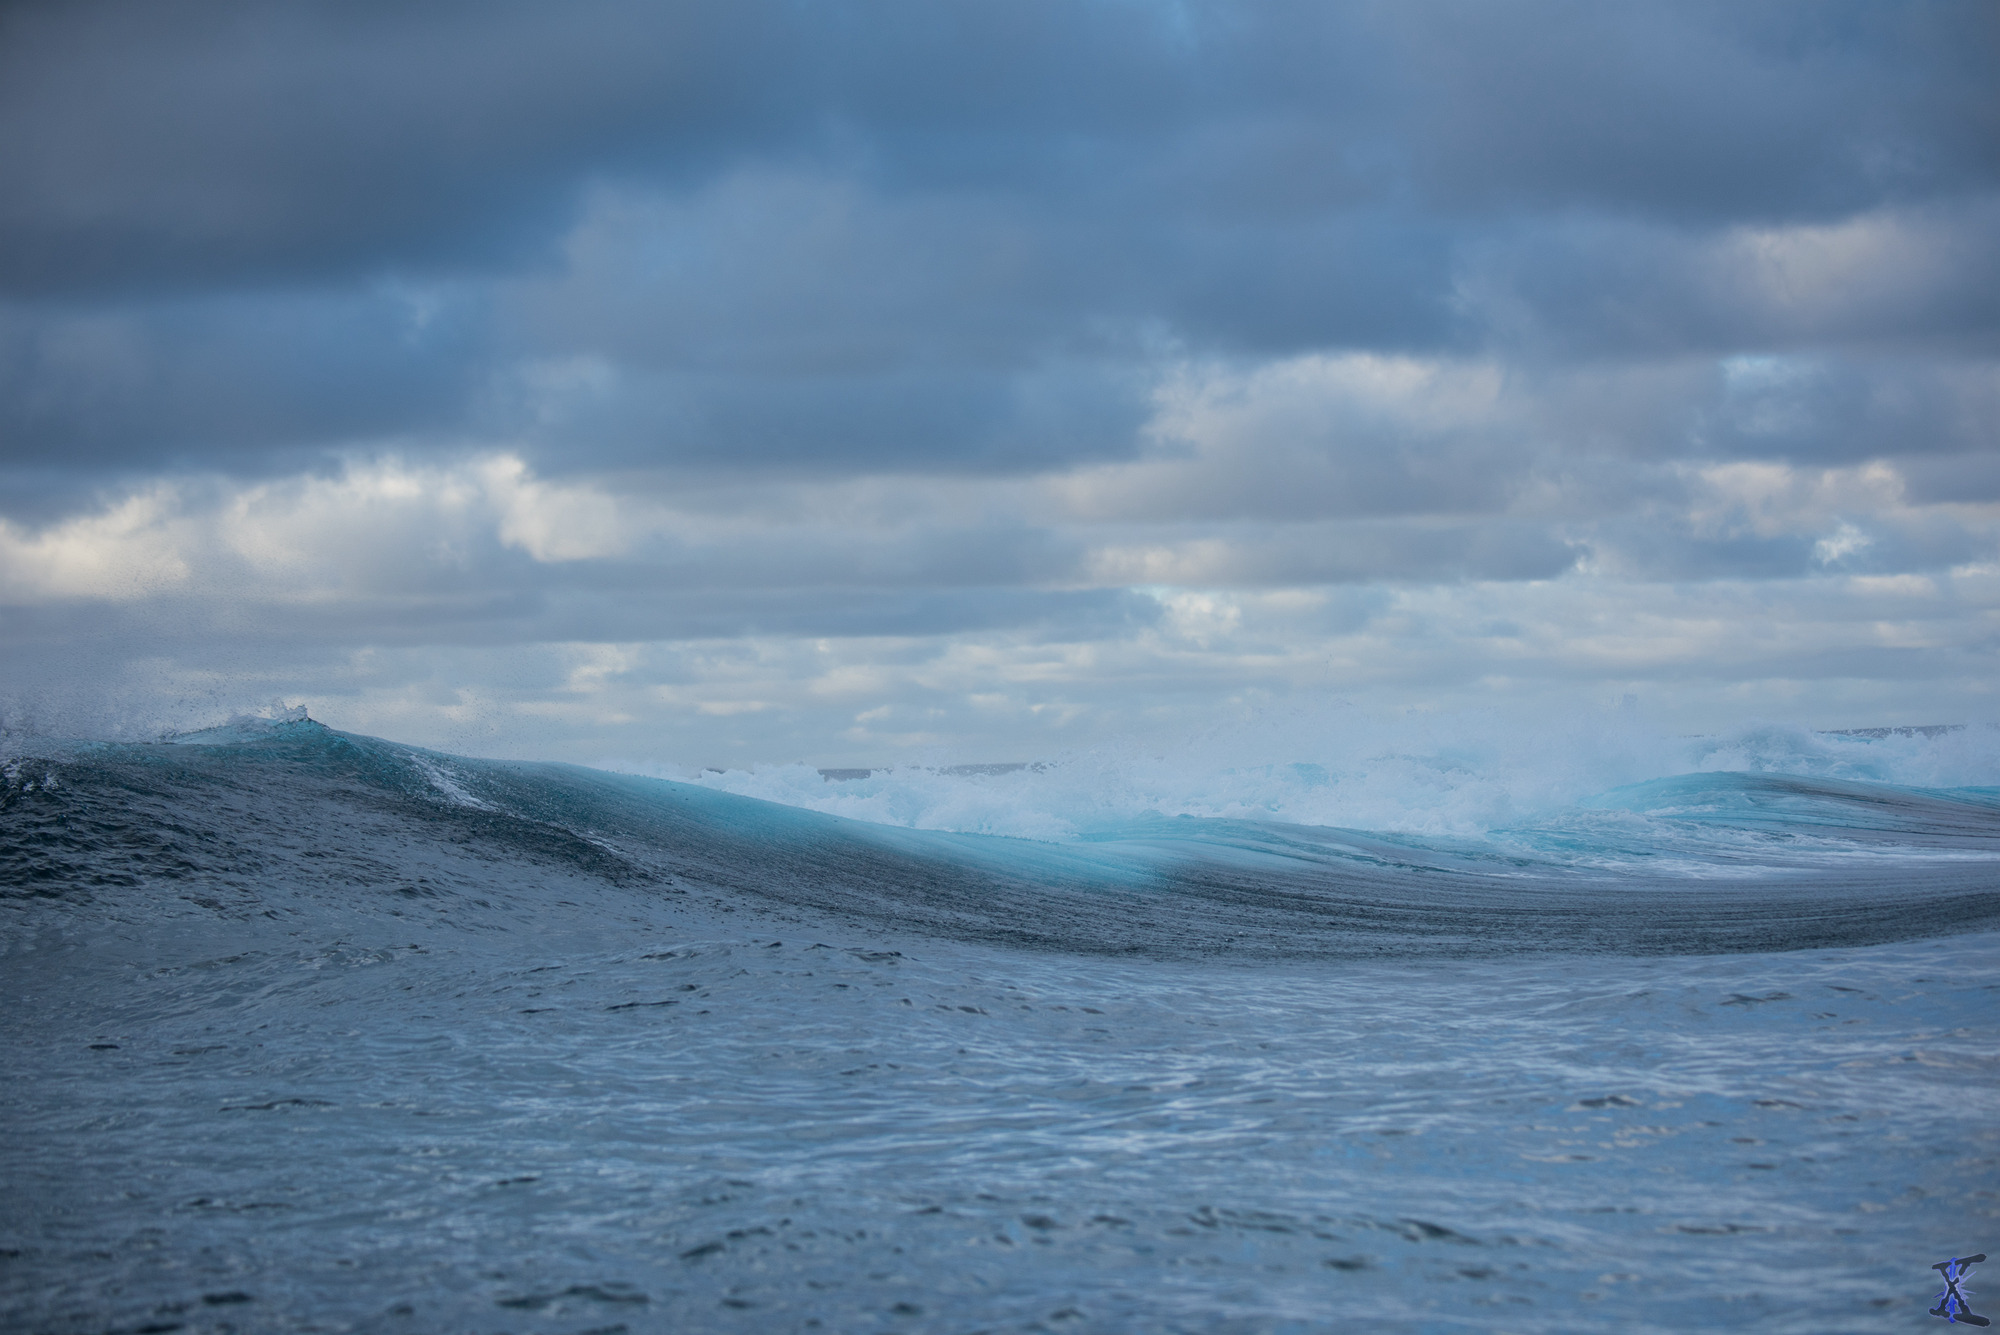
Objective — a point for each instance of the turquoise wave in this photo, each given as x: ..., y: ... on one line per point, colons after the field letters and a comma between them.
x: 1701, y: 863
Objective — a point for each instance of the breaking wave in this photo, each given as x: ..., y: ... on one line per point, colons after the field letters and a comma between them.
x: 1749, y: 858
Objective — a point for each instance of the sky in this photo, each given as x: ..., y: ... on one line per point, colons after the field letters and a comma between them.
x: 856, y: 383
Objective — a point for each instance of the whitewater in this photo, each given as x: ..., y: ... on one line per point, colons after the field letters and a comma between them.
x: 1437, y: 1028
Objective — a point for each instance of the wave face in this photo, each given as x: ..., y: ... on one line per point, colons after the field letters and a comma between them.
x: 534, y: 1047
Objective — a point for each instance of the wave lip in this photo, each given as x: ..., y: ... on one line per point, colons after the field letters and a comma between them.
x: 251, y: 728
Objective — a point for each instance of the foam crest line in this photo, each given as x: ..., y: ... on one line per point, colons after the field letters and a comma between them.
x: 296, y: 816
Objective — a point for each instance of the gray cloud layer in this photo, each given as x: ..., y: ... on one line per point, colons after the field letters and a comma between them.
x: 923, y: 235
x: 979, y: 319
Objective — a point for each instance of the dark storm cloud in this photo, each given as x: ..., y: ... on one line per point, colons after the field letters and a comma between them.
x: 227, y: 378
x: 933, y: 235
x: 191, y: 140
x: 197, y: 142
x: 936, y: 419
x: 1706, y: 112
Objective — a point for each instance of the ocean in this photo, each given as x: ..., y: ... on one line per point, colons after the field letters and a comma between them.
x: 1439, y: 1029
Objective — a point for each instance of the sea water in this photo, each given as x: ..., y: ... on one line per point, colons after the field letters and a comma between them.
x: 309, y: 1031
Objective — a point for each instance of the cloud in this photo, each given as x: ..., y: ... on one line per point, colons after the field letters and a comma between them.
x: 237, y: 382
x: 1704, y: 113
x: 1317, y: 437
x: 941, y: 237
x: 210, y: 141
x: 485, y: 549
x: 1596, y: 285
x: 884, y: 374
x: 213, y: 140
x: 132, y: 549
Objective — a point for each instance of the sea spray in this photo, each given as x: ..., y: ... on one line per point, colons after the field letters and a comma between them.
x: 1463, y: 774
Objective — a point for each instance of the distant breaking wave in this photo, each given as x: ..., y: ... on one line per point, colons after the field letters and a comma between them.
x: 1466, y: 774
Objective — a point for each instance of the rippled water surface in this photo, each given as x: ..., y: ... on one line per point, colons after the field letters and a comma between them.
x: 312, y: 1046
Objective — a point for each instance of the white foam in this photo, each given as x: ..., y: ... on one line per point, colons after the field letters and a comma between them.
x: 1434, y: 774
x: 243, y: 728
x: 445, y: 785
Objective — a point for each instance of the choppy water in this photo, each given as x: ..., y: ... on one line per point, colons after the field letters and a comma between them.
x: 311, y: 1032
